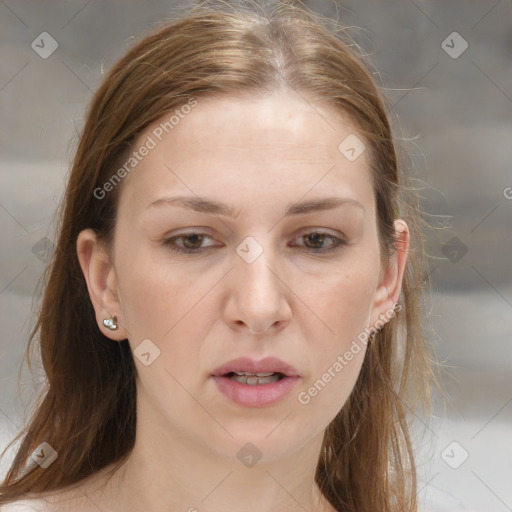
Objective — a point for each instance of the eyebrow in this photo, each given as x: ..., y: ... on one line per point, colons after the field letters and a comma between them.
x: 205, y: 205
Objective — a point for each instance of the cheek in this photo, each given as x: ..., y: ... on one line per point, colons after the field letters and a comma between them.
x: 325, y: 394
x: 343, y: 303
x: 154, y: 295
x: 162, y: 303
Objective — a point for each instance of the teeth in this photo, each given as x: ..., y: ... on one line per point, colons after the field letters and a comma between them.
x: 257, y: 374
x: 254, y: 380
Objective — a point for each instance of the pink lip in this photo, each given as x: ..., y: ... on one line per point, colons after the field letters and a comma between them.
x: 266, y: 365
x: 260, y: 395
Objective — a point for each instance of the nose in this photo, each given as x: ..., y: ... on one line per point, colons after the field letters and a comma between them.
x: 259, y: 298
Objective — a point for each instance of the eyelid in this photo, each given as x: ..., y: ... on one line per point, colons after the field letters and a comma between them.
x: 168, y: 239
x: 337, y: 241
x: 321, y: 231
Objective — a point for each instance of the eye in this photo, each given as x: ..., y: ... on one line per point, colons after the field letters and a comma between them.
x: 317, y: 240
x: 192, y: 243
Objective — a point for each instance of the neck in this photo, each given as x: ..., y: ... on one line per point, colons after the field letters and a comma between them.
x: 169, y: 471
x: 192, y: 481
x: 247, y: 467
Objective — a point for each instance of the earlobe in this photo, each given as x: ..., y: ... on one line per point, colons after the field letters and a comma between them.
x: 388, y: 291
x: 100, y: 278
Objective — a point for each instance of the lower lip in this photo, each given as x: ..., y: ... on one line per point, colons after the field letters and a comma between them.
x: 259, y: 395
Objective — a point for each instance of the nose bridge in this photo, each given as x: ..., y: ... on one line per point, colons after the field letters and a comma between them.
x: 258, y: 268
x: 258, y: 291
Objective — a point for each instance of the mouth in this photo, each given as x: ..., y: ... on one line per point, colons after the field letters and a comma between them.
x: 255, y: 379
x: 267, y: 368
x: 255, y: 390
x: 256, y: 383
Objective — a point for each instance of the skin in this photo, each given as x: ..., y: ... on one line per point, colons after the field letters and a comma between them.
x: 202, y: 310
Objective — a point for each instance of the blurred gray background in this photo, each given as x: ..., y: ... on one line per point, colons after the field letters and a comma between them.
x: 447, y: 70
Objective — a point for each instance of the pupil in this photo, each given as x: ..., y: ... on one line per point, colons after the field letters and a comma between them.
x: 197, y: 238
x: 317, y: 237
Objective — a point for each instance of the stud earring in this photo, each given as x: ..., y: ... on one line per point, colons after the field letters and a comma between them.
x: 111, y: 323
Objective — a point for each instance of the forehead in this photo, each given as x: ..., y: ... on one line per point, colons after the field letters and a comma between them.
x: 281, y: 144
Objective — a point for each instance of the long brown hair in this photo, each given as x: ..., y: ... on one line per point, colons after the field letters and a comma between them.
x: 87, y: 410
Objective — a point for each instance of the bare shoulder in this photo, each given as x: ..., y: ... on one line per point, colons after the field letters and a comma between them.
x: 55, y: 501
x: 27, y: 505
x: 52, y: 502
x: 79, y: 497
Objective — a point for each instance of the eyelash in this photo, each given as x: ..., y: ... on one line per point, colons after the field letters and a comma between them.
x: 337, y: 244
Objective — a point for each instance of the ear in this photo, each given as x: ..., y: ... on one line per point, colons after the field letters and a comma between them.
x: 101, y: 283
x: 388, y: 290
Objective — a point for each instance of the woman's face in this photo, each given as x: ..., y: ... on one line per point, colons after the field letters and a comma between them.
x: 266, y: 278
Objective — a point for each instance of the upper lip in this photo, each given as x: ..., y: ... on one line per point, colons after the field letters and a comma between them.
x: 266, y: 365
